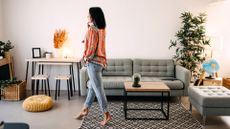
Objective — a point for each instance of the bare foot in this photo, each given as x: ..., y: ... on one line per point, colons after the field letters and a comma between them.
x: 107, y: 118
x: 83, y: 113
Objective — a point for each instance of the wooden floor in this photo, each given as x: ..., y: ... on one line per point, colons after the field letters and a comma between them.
x: 61, y: 116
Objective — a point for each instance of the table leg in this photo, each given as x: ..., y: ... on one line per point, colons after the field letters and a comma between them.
x: 48, y: 84
x: 73, y: 78
x: 32, y: 74
x: 162, y: 95
x: 78, y: 77
x: 71, y: 84
x: 42, y: 74
x: 39, y: 72
x: 168, y: 105
x: 125, y: 104
x: 27, y: 67
x: 37, y: 86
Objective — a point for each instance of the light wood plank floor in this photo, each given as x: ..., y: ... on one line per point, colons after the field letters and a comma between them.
x: 61, y: 116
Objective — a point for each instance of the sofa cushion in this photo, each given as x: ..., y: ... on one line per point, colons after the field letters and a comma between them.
x: 118, y: 67
x: 154, y: 68
x: 172, y: 83
x: 114, y: 82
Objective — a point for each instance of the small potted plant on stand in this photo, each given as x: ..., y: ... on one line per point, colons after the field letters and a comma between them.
x: 6, y: 49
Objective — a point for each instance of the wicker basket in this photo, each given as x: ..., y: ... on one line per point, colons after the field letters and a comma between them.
x: 15, y: 91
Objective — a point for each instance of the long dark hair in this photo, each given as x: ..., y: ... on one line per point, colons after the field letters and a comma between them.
x: 97, y: 16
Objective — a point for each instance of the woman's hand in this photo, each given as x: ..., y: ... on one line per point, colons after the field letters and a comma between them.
x: 84, y: 61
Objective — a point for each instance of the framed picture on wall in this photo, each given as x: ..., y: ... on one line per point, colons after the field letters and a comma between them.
x: 36, y: 52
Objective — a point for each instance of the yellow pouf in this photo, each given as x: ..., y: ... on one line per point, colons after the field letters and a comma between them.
x: 38, y: 103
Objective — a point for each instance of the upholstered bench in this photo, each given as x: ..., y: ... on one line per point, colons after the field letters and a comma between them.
x: 38, y: 103
x: 210, y: 100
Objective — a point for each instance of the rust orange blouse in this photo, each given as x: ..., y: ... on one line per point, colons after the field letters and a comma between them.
x: 95, y: 46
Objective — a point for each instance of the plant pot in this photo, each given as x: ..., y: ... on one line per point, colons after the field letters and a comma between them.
x: 8, y: 55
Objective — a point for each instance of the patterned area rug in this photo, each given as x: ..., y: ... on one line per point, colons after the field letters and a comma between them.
x: 179, y: 117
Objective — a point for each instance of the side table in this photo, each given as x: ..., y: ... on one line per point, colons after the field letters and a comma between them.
x: 226, y: 82
x: 212, y: 82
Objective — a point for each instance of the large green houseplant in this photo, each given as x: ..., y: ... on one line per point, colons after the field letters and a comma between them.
x: 190, y: 43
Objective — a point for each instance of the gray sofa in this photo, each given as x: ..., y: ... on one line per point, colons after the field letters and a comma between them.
x: 120, y: 70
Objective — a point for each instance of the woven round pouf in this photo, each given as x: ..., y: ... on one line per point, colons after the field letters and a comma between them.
x: 37, y: 103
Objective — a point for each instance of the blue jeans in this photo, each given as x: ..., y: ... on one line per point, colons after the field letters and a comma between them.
x: 95, y: 87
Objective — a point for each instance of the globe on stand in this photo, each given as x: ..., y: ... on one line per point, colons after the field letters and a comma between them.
x: 211, y: 67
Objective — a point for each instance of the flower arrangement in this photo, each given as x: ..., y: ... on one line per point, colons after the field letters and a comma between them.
x: 60, y: 36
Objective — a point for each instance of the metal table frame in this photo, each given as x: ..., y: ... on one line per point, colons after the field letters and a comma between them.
x: 55, y: 60
x: 165, y: 113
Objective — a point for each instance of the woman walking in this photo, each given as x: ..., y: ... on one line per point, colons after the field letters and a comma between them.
x: 95, y: 59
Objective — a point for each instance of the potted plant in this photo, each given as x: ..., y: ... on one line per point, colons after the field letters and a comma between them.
x: 1, y: 48
x: 5, y: 48
x: 190, y: 43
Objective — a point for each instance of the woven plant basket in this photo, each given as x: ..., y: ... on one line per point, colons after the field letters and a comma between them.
x: 15, y: 91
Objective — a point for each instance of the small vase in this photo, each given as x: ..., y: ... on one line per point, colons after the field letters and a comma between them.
x: 57, y: 53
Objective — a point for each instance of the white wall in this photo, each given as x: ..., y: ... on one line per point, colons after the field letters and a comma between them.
x: 218, y: 26
x: 1, y: 20
x: 135, y: 28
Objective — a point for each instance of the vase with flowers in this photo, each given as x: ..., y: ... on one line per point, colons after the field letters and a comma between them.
x: 60, y: 36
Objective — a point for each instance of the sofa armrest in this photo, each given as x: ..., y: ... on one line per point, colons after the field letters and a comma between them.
x: 184, y: 75
x: 83, y: 80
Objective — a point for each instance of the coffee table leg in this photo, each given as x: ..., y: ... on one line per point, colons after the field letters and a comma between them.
x: 162, y: 95
x: 166, y: 114
x: 125, y: 104
x: 168, y: 106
